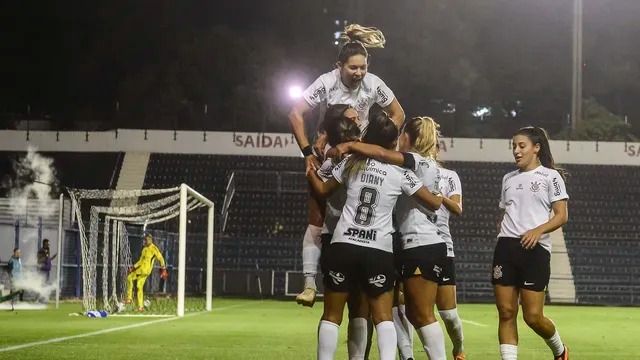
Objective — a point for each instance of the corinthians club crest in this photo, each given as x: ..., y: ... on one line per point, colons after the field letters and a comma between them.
x: 497, y: 271
x: 535, y: 186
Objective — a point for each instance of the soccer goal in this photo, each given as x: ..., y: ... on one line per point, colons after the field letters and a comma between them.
x: 111, y: 241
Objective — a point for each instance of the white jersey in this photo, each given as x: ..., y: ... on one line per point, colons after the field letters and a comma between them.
x: 449, y: 186
x: 416, y: 223
x: 329, y: 87
x: 366, y: 218
x: 335, y: 202
x: 527, y: 198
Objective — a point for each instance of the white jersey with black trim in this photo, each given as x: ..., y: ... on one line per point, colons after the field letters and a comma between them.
x: 366, y: 218
x: 335, y: 202
x: 416, y: 223
x: 449, y: 186
x: 527, y: 199
x: 329, y: 87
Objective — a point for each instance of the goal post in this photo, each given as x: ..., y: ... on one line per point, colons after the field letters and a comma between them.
x: 185, y: 191
x: 105, y: 244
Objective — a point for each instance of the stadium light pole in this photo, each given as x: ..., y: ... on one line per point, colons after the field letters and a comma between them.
x: 576, y: 88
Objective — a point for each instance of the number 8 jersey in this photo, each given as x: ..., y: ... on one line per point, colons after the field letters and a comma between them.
x: 371, y: 196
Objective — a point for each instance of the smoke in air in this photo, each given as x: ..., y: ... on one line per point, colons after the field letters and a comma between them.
x: 32, y: 188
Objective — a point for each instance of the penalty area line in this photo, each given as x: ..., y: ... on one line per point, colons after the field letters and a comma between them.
x: 105, y: 331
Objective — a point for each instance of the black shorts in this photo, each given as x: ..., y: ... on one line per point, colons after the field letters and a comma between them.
x: 325, y: 240
x: 397, y: 253
x: 448, y: 272
x: 426, y: 261
x: 349, y: 267
x: 515, y: 266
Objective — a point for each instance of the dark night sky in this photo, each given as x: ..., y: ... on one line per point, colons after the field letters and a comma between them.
x: 59, y: 55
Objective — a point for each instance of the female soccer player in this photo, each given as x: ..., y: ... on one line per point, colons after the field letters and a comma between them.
x: 361, y: 254
x: 350, y: 83
x: 339, y: 129
x: 451, y: 191
x: 521, y: 261
x: 424, y: 251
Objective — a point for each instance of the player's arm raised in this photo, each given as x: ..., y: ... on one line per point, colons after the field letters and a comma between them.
x: 322, y: 188
x: 374, y: 151
x: 396, y: 113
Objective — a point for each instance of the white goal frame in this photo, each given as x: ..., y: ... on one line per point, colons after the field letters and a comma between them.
x: 185, y: 192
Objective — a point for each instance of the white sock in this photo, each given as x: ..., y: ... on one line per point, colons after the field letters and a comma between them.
x: 509, y: 352
x: 327, y: 340
x: 357, y: 338
x: 404, y: 333
x: 433, y: 341
x: 555, y: 344
x: 387, y: 340
x: 311, y: 248
x: 453, y: 324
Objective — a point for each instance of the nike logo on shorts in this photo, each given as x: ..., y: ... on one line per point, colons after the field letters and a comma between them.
x: 528, y: 283
x: 446, y: 279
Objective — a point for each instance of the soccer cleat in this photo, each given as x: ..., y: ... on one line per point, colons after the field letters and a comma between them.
x: 564, y: 356
x: 127, y: 301
x: 140, y: 309
x: 307, y: 297
x: 459, y: 356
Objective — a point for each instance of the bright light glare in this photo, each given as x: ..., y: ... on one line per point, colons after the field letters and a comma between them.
x: 295, y: 92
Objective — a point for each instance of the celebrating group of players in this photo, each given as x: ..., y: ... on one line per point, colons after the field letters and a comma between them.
x: 379, y: 210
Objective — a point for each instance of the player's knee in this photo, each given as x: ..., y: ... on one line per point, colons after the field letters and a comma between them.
x: 507, y: 313
x: 333, y: 317
x: 533, y: 318
x: 421, y: 317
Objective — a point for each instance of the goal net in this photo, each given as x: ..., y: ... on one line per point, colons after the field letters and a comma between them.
x: 113, y: 225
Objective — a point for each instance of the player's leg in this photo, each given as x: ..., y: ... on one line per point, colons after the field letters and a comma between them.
x: 421, y: 271
x: 505, y: 277
x: 358, y: 334
x: 404, y: 329
x: 311, y: 249
x: 338, y: 281
x: 537, y: 271
x: 142, y: 278
x: 131, y: 277
x: 448, y: 310
x: 377, y: 279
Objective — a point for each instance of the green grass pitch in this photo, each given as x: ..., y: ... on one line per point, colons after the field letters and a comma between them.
x: 279, y: 330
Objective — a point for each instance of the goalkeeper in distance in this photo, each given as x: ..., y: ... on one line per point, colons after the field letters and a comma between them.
x: 142, y: 269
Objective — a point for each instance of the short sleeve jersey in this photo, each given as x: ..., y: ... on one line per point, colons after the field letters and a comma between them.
x: 416, y: 223
x: 335, y: 202
x: 449, y: 186
x: 329, y: 88
x: 527, y: 199
x: 366, y: 218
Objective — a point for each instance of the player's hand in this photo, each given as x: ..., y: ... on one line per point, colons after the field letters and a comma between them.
x: 311, y: 163
x: 320, y: 144
x: 530, y: 239
x: 163, y: 274
x: 131, y: 269
x: 342, y: 150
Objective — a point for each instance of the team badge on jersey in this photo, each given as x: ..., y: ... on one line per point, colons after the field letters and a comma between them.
x: 497, y: 271
x: 535, y: 186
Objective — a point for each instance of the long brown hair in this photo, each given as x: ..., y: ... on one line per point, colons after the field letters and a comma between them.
x: 538, y: 135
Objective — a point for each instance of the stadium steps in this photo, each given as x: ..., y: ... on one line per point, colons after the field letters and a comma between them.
x: 562, y: 288
x: 132, y: 172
